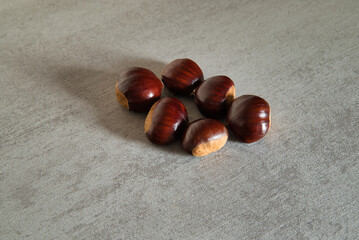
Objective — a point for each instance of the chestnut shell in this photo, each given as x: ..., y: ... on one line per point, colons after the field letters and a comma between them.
x: 182, y: 76
x: 204, y: 136
x: 214, y: 96
x: 166, y: 121
x: 249, y: 118
x: 138, y: 89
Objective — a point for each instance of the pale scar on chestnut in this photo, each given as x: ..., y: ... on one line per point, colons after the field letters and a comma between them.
x: 230, y: 95
x: 148, y: 121
x: 121, y: 98
x: 209, y: 147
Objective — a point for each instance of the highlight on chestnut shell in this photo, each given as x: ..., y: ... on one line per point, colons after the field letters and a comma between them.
x: 249, y: 118
x: 214, y: 96
x: 137, y: 89
x: 166, y: 121
x: 204, y: 136
x: 182, y: 76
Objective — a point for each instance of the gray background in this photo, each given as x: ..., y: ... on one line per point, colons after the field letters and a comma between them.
x: 76, y: 165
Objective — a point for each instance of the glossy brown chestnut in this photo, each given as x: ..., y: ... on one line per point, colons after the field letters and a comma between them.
x: 214, y: 96
x: 138, y: 89
x: 182, y: 76
x: 166, y: 121
x: 249, y: 118
x: 204, y: 136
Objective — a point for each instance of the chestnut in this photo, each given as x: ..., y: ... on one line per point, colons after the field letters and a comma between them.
x: 138, y: 89
x: 166, y: 121
x: 182, y: 76
x: 249, y: 118
x: 214, y: 96
x: 204, y: 136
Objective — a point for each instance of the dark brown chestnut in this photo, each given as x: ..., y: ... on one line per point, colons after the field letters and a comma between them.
x: 166, y: 121
x: 249, y: 118
x: 182, y: 76
x: 204, y: 136
x: 214, y: 96
x: 138, y: 89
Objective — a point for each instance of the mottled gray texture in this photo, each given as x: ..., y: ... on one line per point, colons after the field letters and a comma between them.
x: 76, y: 165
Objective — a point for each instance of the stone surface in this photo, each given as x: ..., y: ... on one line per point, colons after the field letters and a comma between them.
x: 76, y: 165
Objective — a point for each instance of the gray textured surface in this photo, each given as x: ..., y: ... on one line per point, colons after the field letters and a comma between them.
x: 75, y: 165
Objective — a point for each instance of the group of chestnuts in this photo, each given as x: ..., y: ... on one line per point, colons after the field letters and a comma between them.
x: 248, y: 116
